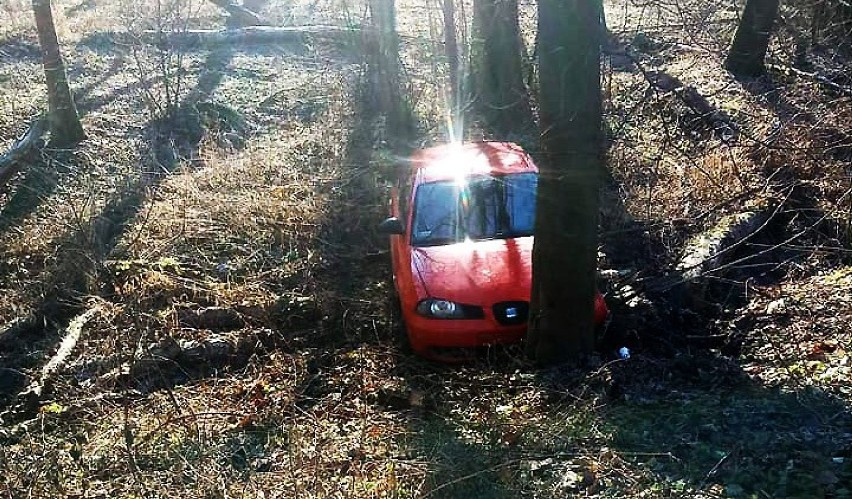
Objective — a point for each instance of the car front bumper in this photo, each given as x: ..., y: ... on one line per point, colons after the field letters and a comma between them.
x: 425, y: 334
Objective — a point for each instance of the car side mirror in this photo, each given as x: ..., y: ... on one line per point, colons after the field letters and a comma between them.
x: 392, y: 226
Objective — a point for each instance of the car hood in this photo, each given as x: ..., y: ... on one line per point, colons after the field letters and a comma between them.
x: 476, y: 272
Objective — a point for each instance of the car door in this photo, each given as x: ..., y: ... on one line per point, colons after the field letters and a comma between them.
x: 400, y: 250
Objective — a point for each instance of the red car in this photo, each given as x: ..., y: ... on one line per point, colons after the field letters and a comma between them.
x: 461, y: 229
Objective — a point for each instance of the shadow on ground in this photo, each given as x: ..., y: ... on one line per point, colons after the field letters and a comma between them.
x: 168, y: 142
x: 699, y: 420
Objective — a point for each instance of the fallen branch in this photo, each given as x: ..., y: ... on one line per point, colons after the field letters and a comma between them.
x: 232, y: 342
x: 239, y: 15
x: 847, y: 91
x: 705, y: 252
x: 11, y: 160
x: 69, y: 342
x: 724, y: 127
x: 297, y: 35
x: 838, y: 206
x: 708, y: 253
x: 28, y: 401
x: 169, y: 358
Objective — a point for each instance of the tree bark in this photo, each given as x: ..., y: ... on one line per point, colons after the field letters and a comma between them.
x: 65, y: 127
x: 383, y: 64
x: 565, y: 248
x: 452, y: 49
x: 496, y: 61
x: 748, y: 50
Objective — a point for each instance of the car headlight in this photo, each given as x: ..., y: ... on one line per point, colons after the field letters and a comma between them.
x: 444, y: 309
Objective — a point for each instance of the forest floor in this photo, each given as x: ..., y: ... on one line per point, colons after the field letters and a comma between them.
x: 241, y: 233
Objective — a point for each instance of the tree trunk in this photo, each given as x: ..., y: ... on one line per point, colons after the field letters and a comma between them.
x: 383, y: 63
x: 65, y: 127
x: 565, y: 249
x: 496, y: 61
x: 748, y: 50
x: 817, y: 12
x: 452, y: 48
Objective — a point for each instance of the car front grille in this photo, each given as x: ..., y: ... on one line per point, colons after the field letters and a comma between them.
x: 511, y: 313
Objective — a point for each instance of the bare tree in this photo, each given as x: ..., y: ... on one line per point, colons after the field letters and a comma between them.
x: 383, y: 63
x: 65, y: 126
x: 565, y: 250
x: 748, y: 50
x: 452, y: 48
x: 497, y: 66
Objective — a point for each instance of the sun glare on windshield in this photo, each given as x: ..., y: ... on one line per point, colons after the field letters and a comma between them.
x: 478, y: 208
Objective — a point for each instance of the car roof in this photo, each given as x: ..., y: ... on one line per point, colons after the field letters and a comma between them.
x: 452, y: 161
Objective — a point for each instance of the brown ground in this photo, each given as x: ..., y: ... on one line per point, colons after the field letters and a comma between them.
x: 258, y: 224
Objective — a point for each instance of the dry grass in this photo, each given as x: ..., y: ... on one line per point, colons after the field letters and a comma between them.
x: 331, y: 407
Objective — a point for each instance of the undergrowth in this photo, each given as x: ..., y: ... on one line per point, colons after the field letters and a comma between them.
x: 257, y: 222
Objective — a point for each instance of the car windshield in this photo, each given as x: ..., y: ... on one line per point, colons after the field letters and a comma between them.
x: 480, y: 207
